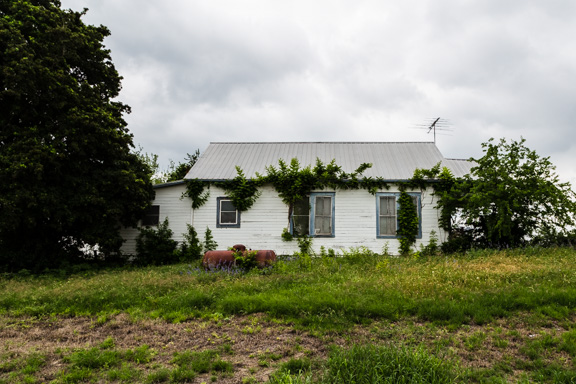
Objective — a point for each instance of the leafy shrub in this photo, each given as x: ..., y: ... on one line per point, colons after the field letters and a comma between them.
x: 286, y: 235
x: 305, y: 245
x: 245, y: 260
x: 432, y: 248
x: 327, y: 253
x: 459, y: 241
x: 190, y: 248
x: 209, y: 243
x: 156, y: 246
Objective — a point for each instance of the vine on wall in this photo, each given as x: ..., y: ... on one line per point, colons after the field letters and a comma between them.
x: 442, y: 181
x: 294, y: 183
x: 242, y: 191
x: 407, y: 223
x: 195, y: 191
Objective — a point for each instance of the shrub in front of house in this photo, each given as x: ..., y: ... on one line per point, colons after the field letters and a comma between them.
x: 156, y: 246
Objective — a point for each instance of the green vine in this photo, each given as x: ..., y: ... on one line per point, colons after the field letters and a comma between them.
x: 195, y: 191
x: 442, y: 181
x: 242, y: 191
x: 407, y: 223
x: 294, y: 183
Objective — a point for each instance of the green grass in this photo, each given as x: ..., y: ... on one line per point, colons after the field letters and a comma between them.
x: 106, y: 363
x: 330, y: 293
x: 327, y: 297
x: 370, y: 364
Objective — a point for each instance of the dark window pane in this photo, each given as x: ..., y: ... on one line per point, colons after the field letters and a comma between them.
x: 301, y: 225
x: 302, y: 207
x: 228, y: 217
x: 152, y: 216
x: 226, y: 205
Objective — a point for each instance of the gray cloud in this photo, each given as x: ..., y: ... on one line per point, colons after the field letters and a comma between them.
x: 196, y: 72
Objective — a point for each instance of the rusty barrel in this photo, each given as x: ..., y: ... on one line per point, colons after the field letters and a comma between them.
x: 224, y: 259
x: 265, y: 258
x: 218, y: 259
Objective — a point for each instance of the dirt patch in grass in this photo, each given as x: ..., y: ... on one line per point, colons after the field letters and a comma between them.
x: 256, y: 346
x: 253, y: 345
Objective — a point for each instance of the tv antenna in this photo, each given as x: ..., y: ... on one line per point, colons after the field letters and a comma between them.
x: 435, y: 124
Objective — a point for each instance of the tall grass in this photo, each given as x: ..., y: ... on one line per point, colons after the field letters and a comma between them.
x: 323, y: 292
x: 372, y: 364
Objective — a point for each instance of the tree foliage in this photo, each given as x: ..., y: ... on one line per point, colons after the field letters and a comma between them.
x: 511, y: 197
x: 68, y: 176
x: 174, y: 172
x: 178, y: 171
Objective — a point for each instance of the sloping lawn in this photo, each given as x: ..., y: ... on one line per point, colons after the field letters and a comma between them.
x: 480, y: 317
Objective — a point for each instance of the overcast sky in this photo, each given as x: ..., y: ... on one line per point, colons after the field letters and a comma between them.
x: 260, y: 70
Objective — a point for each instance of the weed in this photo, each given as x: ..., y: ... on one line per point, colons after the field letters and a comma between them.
x: 140, y: 355
x: 475, y: 341
x: 161, y: 375
x: 94, y: 358
x: 124, y: 374
x: 387, y: 364
x: 296, y: 366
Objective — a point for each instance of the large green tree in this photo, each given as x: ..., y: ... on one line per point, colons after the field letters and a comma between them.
x: 510, y: 198
x: 513, y: 196
x: 67, y: 175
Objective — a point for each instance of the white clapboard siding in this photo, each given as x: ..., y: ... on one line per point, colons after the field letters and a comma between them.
x: 178, y: 210
x: 261, y: 226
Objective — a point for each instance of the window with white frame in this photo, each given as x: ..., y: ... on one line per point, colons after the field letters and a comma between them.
x: 387, y: 208
x: 227, y: 214
x: 314, y: 216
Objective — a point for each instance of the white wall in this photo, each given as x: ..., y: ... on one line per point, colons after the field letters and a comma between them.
x: 172, y: 205
x: 261, y: 226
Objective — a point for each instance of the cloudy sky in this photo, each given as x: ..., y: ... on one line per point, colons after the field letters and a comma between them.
x: 197, y: 71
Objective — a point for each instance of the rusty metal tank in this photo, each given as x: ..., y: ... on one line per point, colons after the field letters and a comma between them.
x: 225, y: 259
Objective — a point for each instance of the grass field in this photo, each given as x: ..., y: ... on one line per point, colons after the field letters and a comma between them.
x: 486, y: 316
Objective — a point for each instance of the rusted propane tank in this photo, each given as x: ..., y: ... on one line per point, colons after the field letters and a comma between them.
x: 265, y: 258
x: 220, y: 259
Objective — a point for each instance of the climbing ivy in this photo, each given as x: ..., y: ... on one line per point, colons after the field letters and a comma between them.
x: 443, y: 182
x: 195, y: 191
x: 242, y: 191
x: 407, y: 222
x: 294, y: 183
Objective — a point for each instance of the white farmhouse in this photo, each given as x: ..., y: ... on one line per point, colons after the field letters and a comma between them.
x: 335, y: 219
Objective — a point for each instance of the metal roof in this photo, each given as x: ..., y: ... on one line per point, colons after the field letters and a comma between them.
x: 391, y: 161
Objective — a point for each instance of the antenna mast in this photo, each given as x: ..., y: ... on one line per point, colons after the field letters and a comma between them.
x: 436, y: 124
x: 433, y: 126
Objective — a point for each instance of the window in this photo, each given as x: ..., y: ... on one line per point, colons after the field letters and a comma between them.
x: 387, y: 207
x: 152, y: 216
x: 314, y: 216
x: 227, y: 214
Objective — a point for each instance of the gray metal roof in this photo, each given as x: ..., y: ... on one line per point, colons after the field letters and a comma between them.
x: 391, y: 161
x: 459, y: 167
